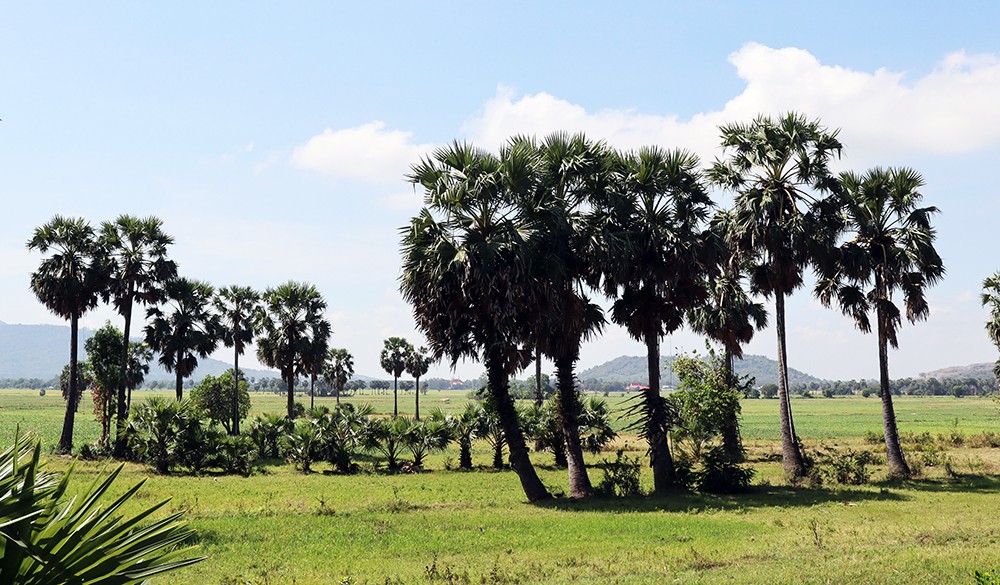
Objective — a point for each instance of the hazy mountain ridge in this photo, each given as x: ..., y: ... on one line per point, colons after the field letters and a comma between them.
x: 628, y: 369
x: 983, y: 371
x: 41, y: 351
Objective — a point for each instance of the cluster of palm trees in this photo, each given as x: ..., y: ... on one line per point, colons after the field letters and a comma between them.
x: 125, y: 262
x: 398, y: 356
x: 500, y: 262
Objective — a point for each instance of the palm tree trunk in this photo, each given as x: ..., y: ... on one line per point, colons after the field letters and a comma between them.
x: 538, y: 376
x: 312, y: 391
x: 417, y: 396
x: 122, y: 413
x: 66, y: 439
x: 235, y: 428
x: 732, y: 445
x: 395, y: 396
x: 893, y: 452
x: 339, y: 388
x: 533, y: 487
x: 660, y: 459
x: 180, y: 378
x: 290, y: 382
x: 569, y: 425
x: 791, y: 456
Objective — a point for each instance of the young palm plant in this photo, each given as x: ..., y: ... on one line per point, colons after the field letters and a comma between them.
x: 784, y: 219
x: 890, y: 249
x: 427, y: 436
x: 388, y: 437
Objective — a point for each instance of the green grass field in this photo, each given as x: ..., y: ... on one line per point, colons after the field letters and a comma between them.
x: 443, y: 526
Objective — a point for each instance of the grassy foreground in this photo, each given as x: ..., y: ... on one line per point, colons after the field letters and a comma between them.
x: 475, y: 527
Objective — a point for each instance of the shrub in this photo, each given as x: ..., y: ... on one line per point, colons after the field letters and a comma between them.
x: 846, y: 467
x: 720, y: 475
x: 236, y: 454
x: 621, y: 476
x: 266, y: 432
x: 302, y: 444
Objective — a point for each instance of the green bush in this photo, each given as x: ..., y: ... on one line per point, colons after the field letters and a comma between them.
x: 621, y: 476
x: 848, y: 467
x: 720, y: 475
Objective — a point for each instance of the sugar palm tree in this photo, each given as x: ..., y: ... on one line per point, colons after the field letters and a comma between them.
x: 314, y: 358
x: 184, y: 329
x: 238, y: 308
x: 570, y: 170
x: 464, y: 274
x: 783, y: 221
x: 68, y: 282
x: 890, y: 249
x: 730, y: 317
x: 338, y: 369
x: 137, y: 251
x: 417, y: 366
x: 654, y: 257
x: 990, y: 297
x: 395, y: 355
x: 291, y: 318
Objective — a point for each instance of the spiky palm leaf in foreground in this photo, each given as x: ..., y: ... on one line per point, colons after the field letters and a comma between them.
x: 891, y: 249
x: 48, y: 538
x: 464, y: 274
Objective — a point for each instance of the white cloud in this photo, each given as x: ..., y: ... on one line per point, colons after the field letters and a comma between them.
x: 368, y: 152
x: 950, y: 110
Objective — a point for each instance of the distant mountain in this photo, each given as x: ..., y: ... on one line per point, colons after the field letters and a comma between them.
x: 633, y: 369
x: 41, y: 351
x: 978, y: 371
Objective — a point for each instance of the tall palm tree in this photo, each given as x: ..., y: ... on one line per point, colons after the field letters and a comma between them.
x: 990, y: 297
x: 395, y: 355
x: 464, y: 273
x: 730, y: 317
x: 570, y: 171
x: 653, y: 257
x: 416, y: 366
x: 890, y: 248
x: 137, y: 251
x: 68, y: 282
x: 190, y: 330
x: 291, y: 319
x: 239, y: 308
x: 314, y: 358
x: 783, y: 221
x: 338, y: 369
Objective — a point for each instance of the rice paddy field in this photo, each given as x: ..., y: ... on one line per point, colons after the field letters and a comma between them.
x: 445, y: 526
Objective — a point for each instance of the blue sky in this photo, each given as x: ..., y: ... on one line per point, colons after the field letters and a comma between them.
x: 272, y: 138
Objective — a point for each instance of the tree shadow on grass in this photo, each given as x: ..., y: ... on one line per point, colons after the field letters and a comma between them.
x: 961, y: 483
x: 756, y: 497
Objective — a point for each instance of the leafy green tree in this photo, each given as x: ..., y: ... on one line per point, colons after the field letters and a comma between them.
x: 464, y: 274
x: 83, y: 380
x: 653, y: 256
x: 891, y: 249
x: 290, y: 322
x: 783, y: 221
x: 730, y: 317
x: 48, y: 536
x: 137, y: 252
x: 188, y: 331
x: 338, y: 369
x: 104, y: 351
x: 417, y: 365
x: 215, y: 396
x: 395, y: 356
x: 68, y: 282
x: 707, y: 402
x: 239, y: 310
